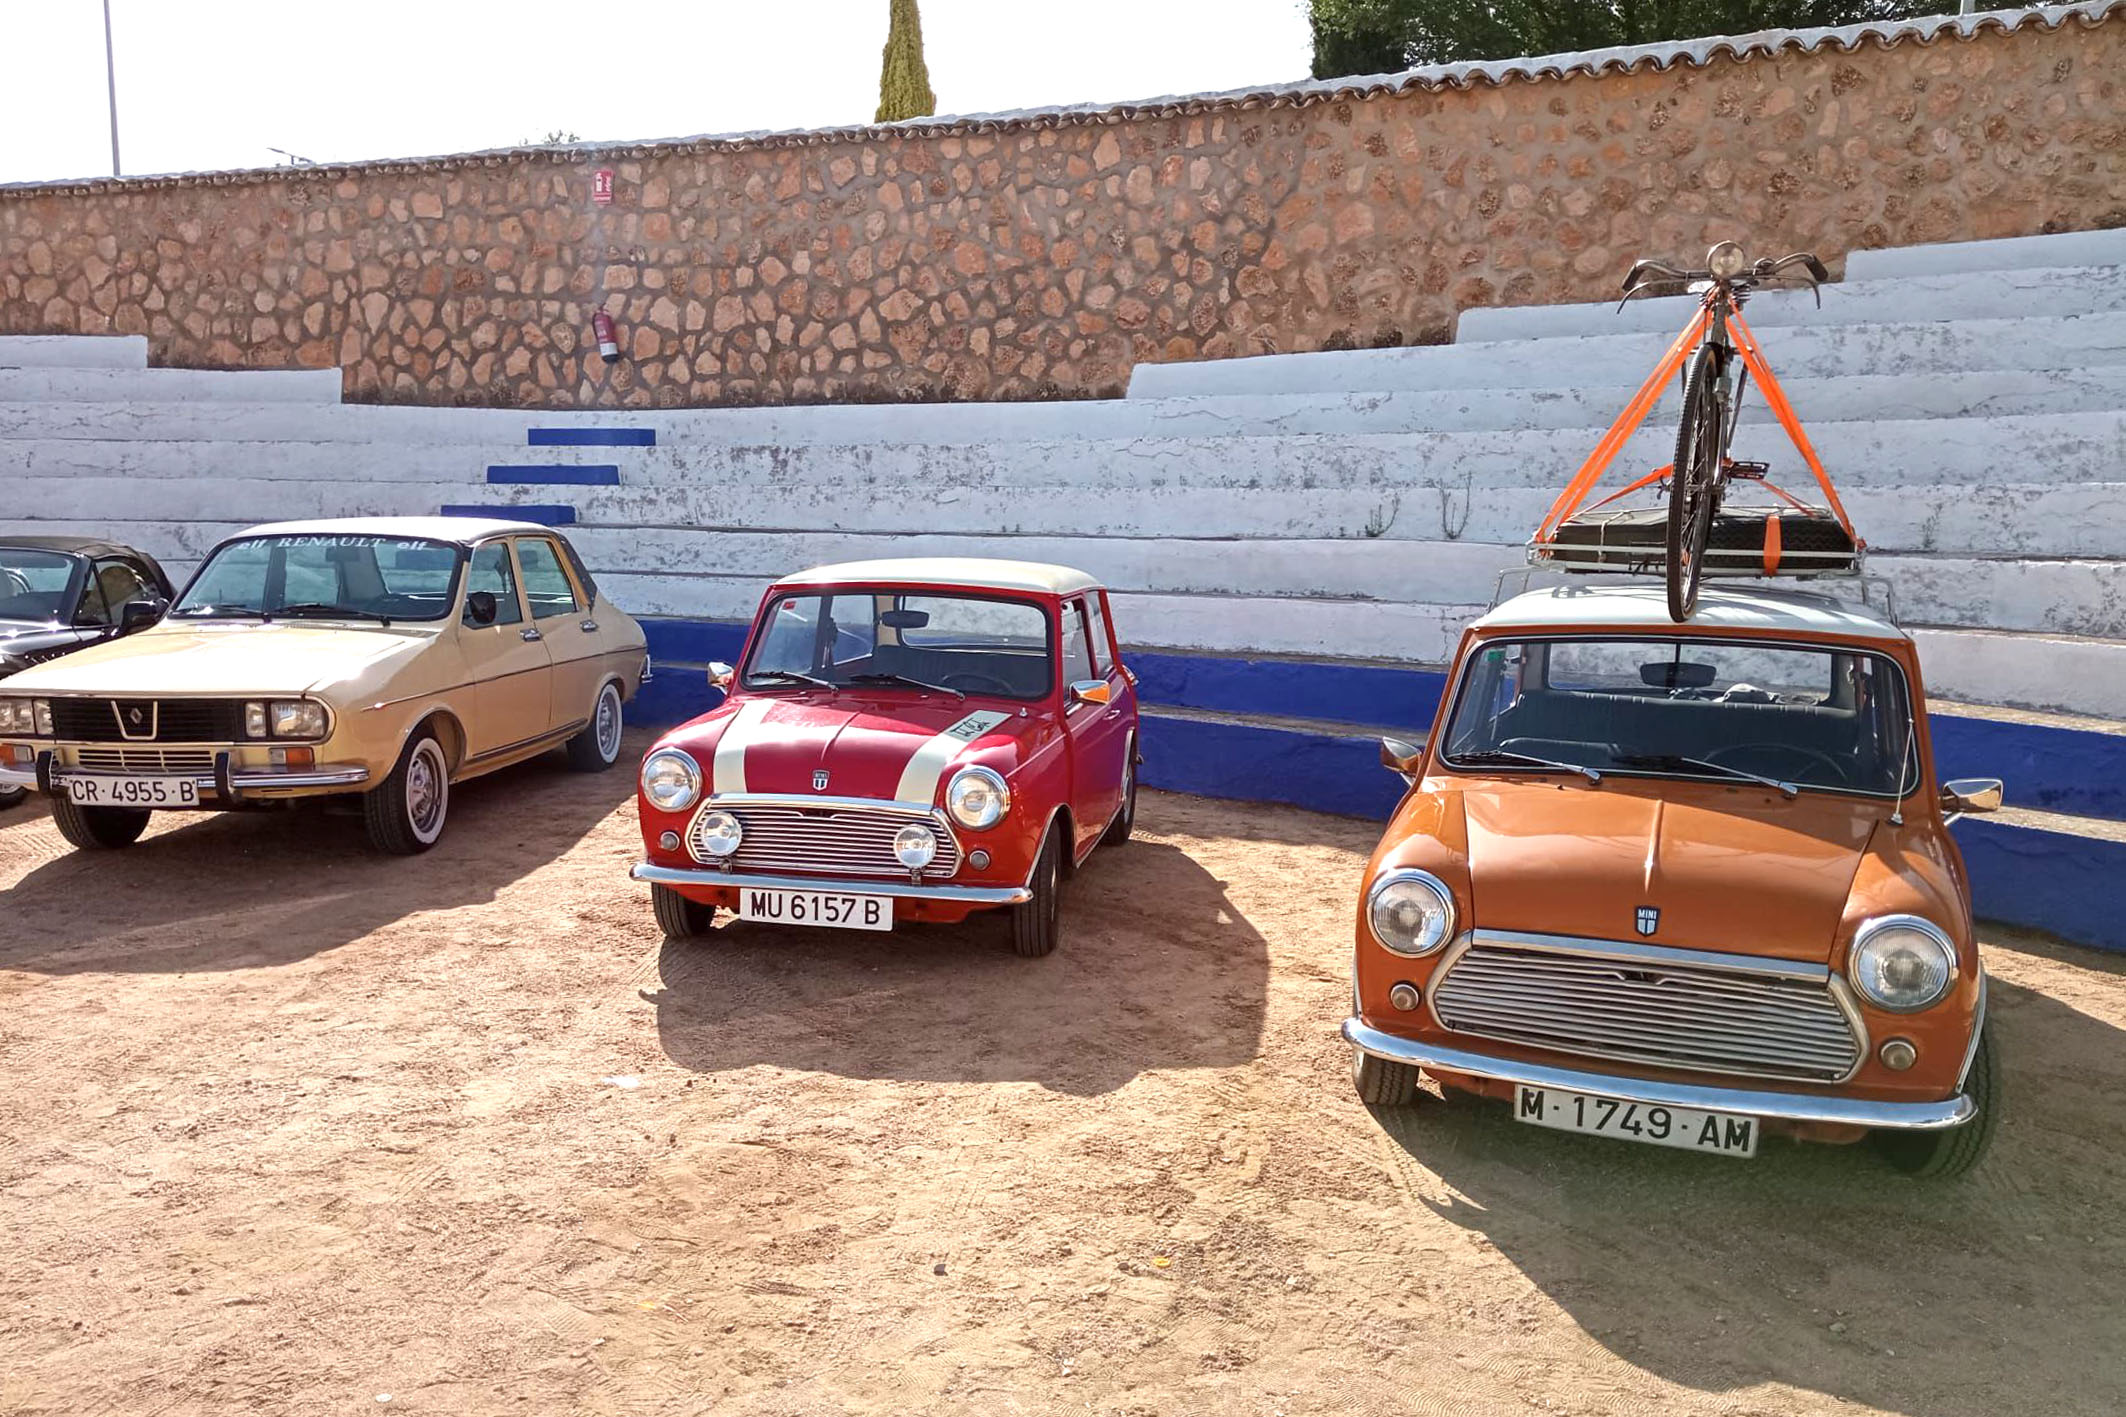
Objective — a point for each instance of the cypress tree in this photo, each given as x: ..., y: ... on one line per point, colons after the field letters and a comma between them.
x: 904, y: 83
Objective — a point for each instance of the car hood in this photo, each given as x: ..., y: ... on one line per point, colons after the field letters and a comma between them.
x: 225, y: 658
x: 19, y: 637
x: 872, y: 747
x: 1738, y: 870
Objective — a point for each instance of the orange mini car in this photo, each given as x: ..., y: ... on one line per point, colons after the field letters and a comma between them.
x: 1682, y: 884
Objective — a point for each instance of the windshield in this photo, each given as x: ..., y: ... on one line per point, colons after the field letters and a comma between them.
x: 962, y: 644
x: 326, y: 577
x: 34, y: 584
x: 1810, y: 718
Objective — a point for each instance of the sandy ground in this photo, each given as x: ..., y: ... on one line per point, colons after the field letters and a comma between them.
x: 287, y: 1127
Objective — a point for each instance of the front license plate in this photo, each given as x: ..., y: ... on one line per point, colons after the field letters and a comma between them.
x: 832, y: 908
x: 1724, y: 1133
x: 133, y: 791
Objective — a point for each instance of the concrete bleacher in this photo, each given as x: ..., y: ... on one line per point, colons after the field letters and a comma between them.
x: 1342, y: 510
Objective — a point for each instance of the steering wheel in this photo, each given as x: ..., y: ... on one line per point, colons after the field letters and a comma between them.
x: 1839, y: 775
x: 974, y: 681
x: 17, y: 583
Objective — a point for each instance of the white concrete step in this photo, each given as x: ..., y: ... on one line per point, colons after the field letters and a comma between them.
x: 498, y: 434
x: 103, y: 386
x: 2074, y: 342
x: 2072, y: 248
x: 73, y: 351
x: 1960, y: 295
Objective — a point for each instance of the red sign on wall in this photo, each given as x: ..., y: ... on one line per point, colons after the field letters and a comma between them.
x: 602, y: 186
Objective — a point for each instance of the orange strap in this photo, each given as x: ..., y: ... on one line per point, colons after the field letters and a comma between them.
x: 1771, y: 545
x: 1753, y: 359
x: 1642, y: 403
x: 1647, y: 481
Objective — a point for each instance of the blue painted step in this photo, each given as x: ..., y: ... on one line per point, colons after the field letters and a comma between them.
x: 556, y: 474
x: 544, y: 513
x: 592, y: 438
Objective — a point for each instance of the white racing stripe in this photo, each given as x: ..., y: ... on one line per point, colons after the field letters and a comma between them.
x: 919, y: 780
x: 728, y: 772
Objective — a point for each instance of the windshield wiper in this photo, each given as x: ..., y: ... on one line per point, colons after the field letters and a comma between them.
x: 911, y: 683
x: 789, y: 676
x: 1502, y: 757
x: 1673, y: 761
x: 320, y: 611
x: 204, y: 612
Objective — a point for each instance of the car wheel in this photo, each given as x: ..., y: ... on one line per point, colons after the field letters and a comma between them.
x: 98, y: 828
x: 1125, y: 822
x: 1949, y: 1153
x: 1382, y: 1083
x: 405, y: 814
x: 678, y: 917
x: 1034, y: 924
x: 13, y: 797
x: 597, y: 747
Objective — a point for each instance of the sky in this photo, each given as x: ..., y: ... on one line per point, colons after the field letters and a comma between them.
x: 220, y: 83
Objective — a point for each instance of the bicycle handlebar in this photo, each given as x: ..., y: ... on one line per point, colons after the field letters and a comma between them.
x: 1649, y: 276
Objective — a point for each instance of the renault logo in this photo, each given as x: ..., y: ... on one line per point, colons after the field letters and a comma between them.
x: 135, y: 717
x: 819, y: 780
x: 1649, y: 919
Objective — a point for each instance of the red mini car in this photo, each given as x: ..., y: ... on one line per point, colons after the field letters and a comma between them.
x: 903, y: 740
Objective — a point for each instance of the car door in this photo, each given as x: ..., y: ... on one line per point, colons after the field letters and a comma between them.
x: 1099, y: 732
x: 506, y: 660
x: 561, y: 612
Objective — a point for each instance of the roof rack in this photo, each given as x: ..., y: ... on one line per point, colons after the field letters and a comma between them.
x: 1874, y: 592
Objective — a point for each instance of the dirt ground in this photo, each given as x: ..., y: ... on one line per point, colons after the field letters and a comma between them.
x: 288, y: 1127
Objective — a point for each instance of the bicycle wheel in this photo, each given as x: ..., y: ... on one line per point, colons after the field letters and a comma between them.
x: 1694, y: 484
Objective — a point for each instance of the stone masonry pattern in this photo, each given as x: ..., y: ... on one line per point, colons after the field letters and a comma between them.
x: 1045, y: 260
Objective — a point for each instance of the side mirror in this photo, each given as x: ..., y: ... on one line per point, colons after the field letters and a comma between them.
x: 1091, y: 691
x: 1971, y: 794
x: 1402, y: 757
x: 721, y: 675
x: 481, y: 607
x: 139, y: 614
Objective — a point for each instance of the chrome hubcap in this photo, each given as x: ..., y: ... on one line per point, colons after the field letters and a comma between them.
x: 424, y: 790
x: 609, y: 723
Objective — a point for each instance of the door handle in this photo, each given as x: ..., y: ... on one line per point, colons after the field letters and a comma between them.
x: 590, y: 627
x: 528, y: 635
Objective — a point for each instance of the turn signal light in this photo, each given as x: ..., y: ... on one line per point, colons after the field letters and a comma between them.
x: 294, y: 757
x: 20, y: 755
x: 1405, y: 996
x: 1897, y: 1055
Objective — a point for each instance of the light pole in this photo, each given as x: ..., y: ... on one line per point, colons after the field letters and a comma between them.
x: 110, y: 84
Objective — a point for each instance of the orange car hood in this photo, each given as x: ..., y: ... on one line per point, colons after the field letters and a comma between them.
x: 1741, y: 870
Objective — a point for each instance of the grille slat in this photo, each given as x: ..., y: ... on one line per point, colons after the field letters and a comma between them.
x: 1669, y: 1015
x: 164, y: 720
x: 839, y: 841
x: 182, y: 762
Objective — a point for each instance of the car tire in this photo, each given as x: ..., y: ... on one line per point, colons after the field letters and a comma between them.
x: 597, y: 747
x: 1125, y: 822
x: 1947, y: 1154
x: 13, y: 797
x: 98, y: 828
x: 1382, y: 1083
x: 1034, y: 925
x: 406, y: 812
x: 678, y: 917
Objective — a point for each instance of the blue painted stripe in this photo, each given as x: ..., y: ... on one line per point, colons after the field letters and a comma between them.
x: 544, y: 513
x: 1319, y: 689
x: 591, y: 437
x: 695, y: 641
x: 2046, y: 880
x: 1322, y: 771
x: 2070, y: 770
x: 556, y: 474
x: 675, y: 694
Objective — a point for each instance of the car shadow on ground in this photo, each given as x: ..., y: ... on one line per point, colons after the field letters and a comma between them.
x: 1818, y: 1266
x: 1156, y: 970
x: 237, y: 890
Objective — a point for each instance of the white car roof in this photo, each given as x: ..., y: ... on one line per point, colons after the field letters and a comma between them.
x: 1720, y: 607
x: 972, y: 572
x: 461, y: 530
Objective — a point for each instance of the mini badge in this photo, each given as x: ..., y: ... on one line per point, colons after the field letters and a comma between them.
x: 819, y: 783
x: 1649, y: 919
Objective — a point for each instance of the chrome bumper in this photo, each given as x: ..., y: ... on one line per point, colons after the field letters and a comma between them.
x: 961, y: 895
x: 239, y: 780
x: 1774, y: 1106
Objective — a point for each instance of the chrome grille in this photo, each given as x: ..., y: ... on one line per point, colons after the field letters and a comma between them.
x: 833, y: 841
x: 159, y: 720
x: 180, y: 762
x: 1658, y: 1013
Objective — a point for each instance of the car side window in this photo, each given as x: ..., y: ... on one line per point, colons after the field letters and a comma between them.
x: 491, y: 571
x: 121, y: 585
x: 1096, y: 629
x: 546, y: 584
x: 94, y: 609
x: 1077, y: 653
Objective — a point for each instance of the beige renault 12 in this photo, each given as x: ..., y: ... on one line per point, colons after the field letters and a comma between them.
x: 383, y: 658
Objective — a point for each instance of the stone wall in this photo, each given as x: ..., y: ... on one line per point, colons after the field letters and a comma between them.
x: 1045, y: 255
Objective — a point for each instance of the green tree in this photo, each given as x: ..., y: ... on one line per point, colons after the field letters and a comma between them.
x: 1382, y: 36
x: 904, y: 82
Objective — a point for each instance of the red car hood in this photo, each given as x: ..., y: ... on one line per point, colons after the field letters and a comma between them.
x: 895, y: 749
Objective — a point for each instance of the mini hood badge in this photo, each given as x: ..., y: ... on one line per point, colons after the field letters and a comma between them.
x: 1649, y: 919
x: 819, y: 780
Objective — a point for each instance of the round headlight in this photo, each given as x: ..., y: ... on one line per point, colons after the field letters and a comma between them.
x: 977, y: 798
x: 671, y: 780
x: 1727, y: 260
x: 718, y: 834
x: 1410, y: 912
x: 1901, y: 963
x: 915, y: 846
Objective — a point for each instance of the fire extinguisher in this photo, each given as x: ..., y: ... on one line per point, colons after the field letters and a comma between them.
x: 608, y: 341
